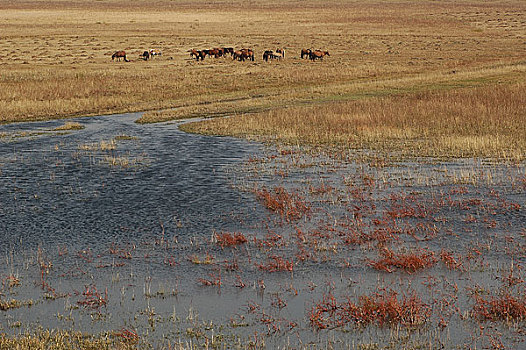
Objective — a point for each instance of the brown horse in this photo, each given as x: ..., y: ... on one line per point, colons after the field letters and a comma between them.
x: 219, y: 52
x: 118, y: 55
x: 197, y: 54
x: 238, y: 55
x: 305, y: 53
x: 242, y: 55
x: 249, y: 53
x: 216, y: 52
x: 229, y: 50
x: 318, y: 55
x: 281, y: 52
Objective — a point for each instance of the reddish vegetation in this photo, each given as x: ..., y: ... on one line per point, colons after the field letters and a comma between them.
x: 321, y: 189
x: 92, y: 298
x: 129, y: 336
x: 450, y: 261
x: 504, y: 307
x: 277, y: 263
x: 409, y: 262
x: 214, y: 280
x: 225, y: 239
x: 271, y: 240
x: 385, y: 308
x: 287, y: 205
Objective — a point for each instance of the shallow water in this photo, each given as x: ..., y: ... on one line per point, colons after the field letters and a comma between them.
x: 55, y: 192
x: 131, y: 211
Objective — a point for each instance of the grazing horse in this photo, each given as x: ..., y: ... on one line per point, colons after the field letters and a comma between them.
x: 216, y: 52
x: 305, y: 53
x: 318, y: 54
x: 229, y: 50
x: 197, y: 54
x: 242, y: 55
x: 118, y: 55
x: 249, y: 53
x: 281, y: 52
x: 145, y: 55
x: 219, y: 52
x: 271, y: 55
x: 155, y: 52
x: 267, y: 55
x: 238, y: 55
x: 277, y: 56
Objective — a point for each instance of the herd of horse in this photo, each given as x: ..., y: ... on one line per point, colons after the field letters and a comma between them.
x: 248, y: 54
x: 238, y: 55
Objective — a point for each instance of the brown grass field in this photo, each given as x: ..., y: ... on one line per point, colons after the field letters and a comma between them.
x: 55, y: 62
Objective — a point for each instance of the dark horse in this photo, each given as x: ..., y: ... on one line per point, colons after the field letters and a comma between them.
x: 118, y: 55
x: 305, y: 53
x: 145, y: 55
x: 267, y: 55
x: 271, y: 55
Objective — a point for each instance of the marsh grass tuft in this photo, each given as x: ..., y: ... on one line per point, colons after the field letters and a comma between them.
x: 102, y: 146
x: 69, y: 126
x: 14, y: 304
x: 60, y: 340
x: 125, y: 138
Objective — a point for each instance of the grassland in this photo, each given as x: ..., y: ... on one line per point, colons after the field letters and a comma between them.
x: 55, y: 61
x: 477, y: 122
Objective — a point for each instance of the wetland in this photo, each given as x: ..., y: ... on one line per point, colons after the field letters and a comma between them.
x: 198, y: 241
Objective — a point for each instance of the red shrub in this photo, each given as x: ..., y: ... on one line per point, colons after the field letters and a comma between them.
x: 225, y: 239
x: 410, y: 262
x: 287, y: 205
x: 277, y: 263
x: 385, y: 308
x: 504, y: 307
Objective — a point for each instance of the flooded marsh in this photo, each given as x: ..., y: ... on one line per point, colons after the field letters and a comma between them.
x: 150, y: 237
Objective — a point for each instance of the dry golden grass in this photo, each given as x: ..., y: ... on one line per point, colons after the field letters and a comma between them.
x: 59, y: 340
x: 483, y: 121
x: 55, y: 56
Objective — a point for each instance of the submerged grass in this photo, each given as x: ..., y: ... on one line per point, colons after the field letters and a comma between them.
x: 69, y: 126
